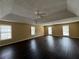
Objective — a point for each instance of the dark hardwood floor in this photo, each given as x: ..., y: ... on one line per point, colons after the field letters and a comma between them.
x: 47, y: 47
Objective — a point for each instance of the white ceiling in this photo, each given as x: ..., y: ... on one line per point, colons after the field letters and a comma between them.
x: 5, y: 7
x: 24, y: 10
x: 73, y: 6
x: 28, y: 7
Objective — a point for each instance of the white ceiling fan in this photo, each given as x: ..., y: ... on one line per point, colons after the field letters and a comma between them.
x: 39, y: 14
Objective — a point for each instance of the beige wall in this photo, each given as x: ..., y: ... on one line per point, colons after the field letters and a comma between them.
x: 46, y: 30
x: 57, y: 30
x: 21, y: 31
x: 39, y: 30
x: 74, y: 30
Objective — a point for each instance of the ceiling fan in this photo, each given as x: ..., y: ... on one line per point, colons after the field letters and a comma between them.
x: 39, y: 14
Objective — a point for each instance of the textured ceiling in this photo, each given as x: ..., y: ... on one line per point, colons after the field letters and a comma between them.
x: 24, y: 10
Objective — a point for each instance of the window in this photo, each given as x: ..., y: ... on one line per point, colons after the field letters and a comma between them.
x: 66, y: 30
x: 32, y: 30
x: 49, y: 30
x: 5, y: 32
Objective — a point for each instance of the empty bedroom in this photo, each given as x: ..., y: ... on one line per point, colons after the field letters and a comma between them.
x: 39, y: 29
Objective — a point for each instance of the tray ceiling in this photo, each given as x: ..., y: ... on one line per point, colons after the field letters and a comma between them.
x: 24, y: 10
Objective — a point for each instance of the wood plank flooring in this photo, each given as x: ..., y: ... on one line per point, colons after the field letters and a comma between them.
x: 46, y: 47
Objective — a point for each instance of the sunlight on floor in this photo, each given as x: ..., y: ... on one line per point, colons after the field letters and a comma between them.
x: 67, y: 45
x: 7, y: 53
x: 50, y: 42
x: 33, y: 45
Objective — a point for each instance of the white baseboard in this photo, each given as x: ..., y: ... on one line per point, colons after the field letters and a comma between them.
x: 19, y: 40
